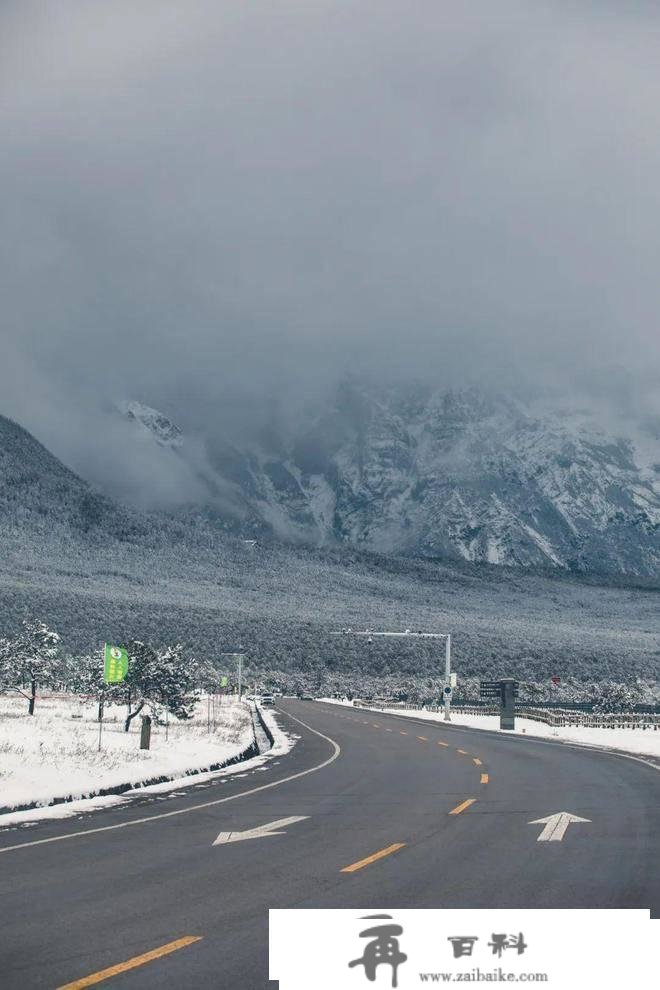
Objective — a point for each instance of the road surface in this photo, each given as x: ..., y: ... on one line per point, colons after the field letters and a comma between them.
x: 390, y: 812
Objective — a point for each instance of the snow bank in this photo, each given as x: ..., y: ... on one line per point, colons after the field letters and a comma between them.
x: 54, y: 754
x: 282, y: 744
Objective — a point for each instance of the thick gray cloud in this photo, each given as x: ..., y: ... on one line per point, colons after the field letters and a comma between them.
x: 205, y: 201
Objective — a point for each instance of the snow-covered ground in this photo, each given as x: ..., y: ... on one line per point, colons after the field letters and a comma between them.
x: 638, y: 741
x: 55, y: 753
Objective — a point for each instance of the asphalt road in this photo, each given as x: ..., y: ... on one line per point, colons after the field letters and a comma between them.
x: 448, y: 808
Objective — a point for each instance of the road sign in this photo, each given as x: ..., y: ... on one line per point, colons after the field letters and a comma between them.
x: 506, y: 691
x: 492, y: 689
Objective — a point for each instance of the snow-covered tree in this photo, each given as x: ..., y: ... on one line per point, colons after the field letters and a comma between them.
x: 30, y: 660
x: 609, y: 698
x: 159, y: 678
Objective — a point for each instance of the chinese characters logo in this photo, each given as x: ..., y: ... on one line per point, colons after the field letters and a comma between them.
x: 383, y: 950
x: 464, y: 944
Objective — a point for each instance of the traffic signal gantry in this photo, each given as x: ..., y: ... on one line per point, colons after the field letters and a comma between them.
x: 450, y: 679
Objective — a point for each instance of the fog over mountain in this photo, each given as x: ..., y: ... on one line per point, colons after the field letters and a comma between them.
x: 223, y: 210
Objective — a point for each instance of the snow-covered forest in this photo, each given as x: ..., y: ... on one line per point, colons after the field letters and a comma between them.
x: 170, y: 678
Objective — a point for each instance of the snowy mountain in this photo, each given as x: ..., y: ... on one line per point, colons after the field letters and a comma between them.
x: 468, y: 474
x: 465, y: 474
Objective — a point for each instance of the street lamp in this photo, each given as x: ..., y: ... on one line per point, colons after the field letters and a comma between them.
x: 408, y: 634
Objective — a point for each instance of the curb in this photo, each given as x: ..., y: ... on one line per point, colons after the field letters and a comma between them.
x: 262, y: 722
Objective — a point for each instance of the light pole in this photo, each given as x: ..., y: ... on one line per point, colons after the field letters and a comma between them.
x: 240, y: 657
x: 408, y: 634
x: 447, y: 689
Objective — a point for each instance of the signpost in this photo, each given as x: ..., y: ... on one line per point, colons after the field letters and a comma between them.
x: 507, y: 692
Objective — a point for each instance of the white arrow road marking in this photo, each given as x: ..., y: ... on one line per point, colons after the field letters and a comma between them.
x: 556, y: 825
x: 260, y: 832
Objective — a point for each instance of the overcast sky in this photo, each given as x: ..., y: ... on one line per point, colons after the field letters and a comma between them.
x: 202, y: 199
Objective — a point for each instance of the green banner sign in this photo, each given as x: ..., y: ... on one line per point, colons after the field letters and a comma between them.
x: 224, y: 681
x: 115, y: 664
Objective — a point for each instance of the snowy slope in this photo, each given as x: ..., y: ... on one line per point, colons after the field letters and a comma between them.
x: 41, y: 499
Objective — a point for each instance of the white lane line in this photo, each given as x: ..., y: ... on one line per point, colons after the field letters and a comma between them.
x: 194, y: 807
